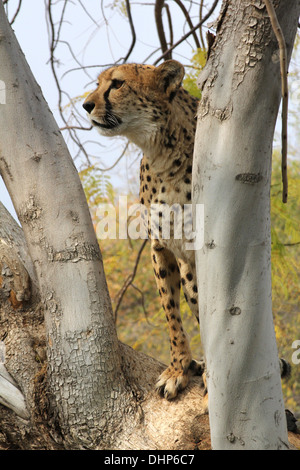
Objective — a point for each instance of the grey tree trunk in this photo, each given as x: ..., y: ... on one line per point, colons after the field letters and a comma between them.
x: 84, y: 371
x: 231, y: 177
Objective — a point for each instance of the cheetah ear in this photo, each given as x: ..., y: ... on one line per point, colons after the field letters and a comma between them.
x: 169, y: 76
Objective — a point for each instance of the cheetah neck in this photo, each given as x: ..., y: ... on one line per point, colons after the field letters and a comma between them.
x: 168, y: 142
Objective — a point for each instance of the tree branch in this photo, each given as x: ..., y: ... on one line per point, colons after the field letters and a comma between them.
x: 16, y: 12
x: 66, y: 128
x: 284, y: 91
x: 129, y: 279
x: 166, y: 6
x: 128, y: 9
x: 54, y: 41
x: 159, y: 4
x: 200, y: 29
x: 189, y: 22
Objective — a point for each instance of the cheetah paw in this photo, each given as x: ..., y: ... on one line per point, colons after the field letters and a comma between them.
x: 172, y: 381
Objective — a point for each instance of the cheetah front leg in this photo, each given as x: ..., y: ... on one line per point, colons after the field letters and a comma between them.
x: 182, y: 366
x: 189, y: 285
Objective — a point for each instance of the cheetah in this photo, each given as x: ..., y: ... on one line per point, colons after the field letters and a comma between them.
x: 150, y: 107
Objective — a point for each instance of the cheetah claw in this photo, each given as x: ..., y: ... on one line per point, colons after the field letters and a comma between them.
x: 171, y: 381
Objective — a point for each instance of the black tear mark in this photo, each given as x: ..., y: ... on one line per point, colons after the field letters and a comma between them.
x: 249, y: 178
x: 108, y: 105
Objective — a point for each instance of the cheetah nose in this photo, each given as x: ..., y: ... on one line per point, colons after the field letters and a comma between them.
x: 89, y: 106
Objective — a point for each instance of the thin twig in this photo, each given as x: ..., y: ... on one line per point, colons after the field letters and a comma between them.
x: 54, y: 41
x: 159, y: 4
x: 128, y: 9
x: 189, y: 33
x: 166, y: 6
x: 143, y: 301
x: 67, y: 128
x: 61, y: 22
x: 118, y: 159
x: 88, y: 14
x: 129, y: 279
x: 189, y: 21
x: 16, y: 13
x: 200, y: 29
x: 284, y: 91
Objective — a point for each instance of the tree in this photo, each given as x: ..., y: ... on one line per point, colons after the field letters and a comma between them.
x: 232, y: 170
x: 89, y: 391
x: 92, y: 392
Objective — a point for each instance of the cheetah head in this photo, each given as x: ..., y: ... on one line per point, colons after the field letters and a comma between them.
x: 134, y: 100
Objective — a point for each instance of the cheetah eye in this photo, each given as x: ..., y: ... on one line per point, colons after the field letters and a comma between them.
x: 116, y: 84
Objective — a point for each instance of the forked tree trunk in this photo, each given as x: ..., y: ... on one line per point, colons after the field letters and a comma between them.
x: 231, y: 177
x: 97, y: 393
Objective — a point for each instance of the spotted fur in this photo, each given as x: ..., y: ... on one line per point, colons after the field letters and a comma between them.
x: 149, y: 106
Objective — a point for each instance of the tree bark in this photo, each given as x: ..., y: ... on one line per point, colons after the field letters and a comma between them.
x: 231, y: 177
x: 87, y: 390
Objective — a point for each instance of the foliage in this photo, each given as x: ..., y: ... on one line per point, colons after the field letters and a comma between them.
x: 97, y: 186
x: 120, y: 6
x: 190, y: 81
